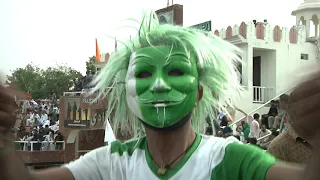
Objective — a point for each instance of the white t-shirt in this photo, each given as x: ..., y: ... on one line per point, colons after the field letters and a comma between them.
x: 208, y: 158
x: 254, y: 129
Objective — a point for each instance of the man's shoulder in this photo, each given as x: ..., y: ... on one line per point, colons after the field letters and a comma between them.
x: 255, y: 121
x: 232, y: 146
x: 241, y: 157
x: 277, y: 144
x: 281, y: 139
x: 217, y: 144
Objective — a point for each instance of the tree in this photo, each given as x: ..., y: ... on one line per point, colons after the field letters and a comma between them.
x: 41, y: 82
x: 27, y: 79
x: 90, y: 65
x: 59, y: 79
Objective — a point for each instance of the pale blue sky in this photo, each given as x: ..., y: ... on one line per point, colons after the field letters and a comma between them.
x: 48, y: 31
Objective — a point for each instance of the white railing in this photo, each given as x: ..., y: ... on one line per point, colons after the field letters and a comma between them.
x: 263, y: 105
x: 77, y: 93
x: 265, y: 136
x: 72, y: 93
x: 44, y: 145
x: 262, y: 94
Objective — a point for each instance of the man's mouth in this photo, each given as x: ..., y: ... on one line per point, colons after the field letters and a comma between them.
x: 160, y: 103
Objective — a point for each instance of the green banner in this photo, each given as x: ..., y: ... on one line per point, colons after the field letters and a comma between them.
x: 205, y: 26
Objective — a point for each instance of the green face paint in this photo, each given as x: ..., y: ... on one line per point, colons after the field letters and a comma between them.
x: 161, y: 85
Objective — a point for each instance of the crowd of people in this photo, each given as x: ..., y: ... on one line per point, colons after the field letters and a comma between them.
x: 259, y: 130
x: 38, y: 121
x: 271, y: 132
x: 83, y: 83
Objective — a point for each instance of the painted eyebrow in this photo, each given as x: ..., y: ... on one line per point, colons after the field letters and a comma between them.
x: 168, y: 61
x: 185, y: 59
x: 136, y: 58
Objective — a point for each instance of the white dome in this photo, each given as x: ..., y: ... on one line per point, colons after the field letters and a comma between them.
x: 308, y: 4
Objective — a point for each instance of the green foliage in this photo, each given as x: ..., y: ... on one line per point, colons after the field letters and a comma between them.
x: 41, y: 82
x: 90, y: 65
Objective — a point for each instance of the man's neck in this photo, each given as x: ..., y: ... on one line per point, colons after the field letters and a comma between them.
x: 165, y: 147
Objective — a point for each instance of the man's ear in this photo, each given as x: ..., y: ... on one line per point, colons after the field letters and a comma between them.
x: 200, y: 93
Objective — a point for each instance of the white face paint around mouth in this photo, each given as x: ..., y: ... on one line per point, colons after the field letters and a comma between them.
x: 160, y: 105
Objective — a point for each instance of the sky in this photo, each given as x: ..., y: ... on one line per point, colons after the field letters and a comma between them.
x: 47, y: 32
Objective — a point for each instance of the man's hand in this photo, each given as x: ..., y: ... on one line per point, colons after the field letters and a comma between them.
x: 304, y: 108
x: 7, y: 109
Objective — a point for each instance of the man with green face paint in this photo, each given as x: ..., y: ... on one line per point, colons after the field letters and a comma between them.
x: 160, y: 81
x: 164, y: 85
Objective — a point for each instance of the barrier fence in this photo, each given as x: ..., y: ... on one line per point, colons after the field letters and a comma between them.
x: 39, y: 146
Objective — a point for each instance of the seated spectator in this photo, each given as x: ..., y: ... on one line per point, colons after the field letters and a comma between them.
x: 36, y: 118
x: 274, y: 121
x: 245, y: 129
x: 239, y: 133
x: 273, y: 112
x: 59, y: 137
x: 30, y: 119
x: 252, y: 141
x: 265, y: 145
x: 46, y: 130
x: 48, y: 137
x: 43, y: 118
x: 227, y: 131
x: 224, y: 121
x: 37, y: 137
x: 263, y: 132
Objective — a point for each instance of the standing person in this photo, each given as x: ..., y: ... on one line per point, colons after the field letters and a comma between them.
x: 169, y: 75
x: 54, y: 113
x: 254, y: 127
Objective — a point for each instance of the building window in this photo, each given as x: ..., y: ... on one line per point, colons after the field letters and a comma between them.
x: 304, y: 56
x: 239, y: 70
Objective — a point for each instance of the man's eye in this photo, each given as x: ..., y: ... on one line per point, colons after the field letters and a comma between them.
x: 143, y: 75
x: 175, y: 72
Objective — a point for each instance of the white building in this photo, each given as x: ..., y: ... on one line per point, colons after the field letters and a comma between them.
x: 272, y: 55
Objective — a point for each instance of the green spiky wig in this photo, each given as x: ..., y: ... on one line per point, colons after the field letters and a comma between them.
x: 215, y: 59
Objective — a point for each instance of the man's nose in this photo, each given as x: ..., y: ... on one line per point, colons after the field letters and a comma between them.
x: 160, y: 86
